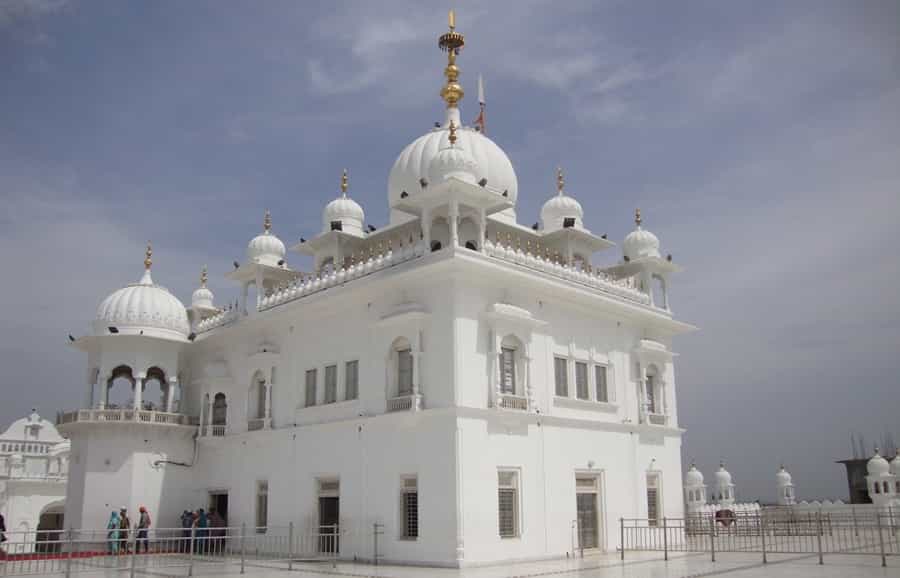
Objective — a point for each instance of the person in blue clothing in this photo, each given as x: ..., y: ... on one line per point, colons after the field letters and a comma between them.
x: 201, y: 526
x: 112, y: 533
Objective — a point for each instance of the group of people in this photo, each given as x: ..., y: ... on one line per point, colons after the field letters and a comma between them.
x: 119, y: 527
x: 208, y: 529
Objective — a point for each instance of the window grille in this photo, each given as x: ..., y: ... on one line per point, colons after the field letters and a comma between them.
x: 351, y: 380
x: 651, y: 394
x: 330, y: 383
x: 404, y: 372
x: 600, y: 375
x: 652, y: 500
x: 262, y: 506
x: 410, y: 505
x: 508, y: 504
x: 581, y: 380
x: 561, y: 371
x: 508, y: 370
x: 311, y: 387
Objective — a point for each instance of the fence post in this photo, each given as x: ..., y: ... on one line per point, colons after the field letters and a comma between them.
x: 243, y: 534
x: 881, y: 539
x: 375, y: 544
x: 855, y: 526
x: 68, y: 554
x: 762, y: 533
x: 290, y: 545
x: 133, y: 547
x: 819, y: 535
x: 622, y: 536
x: 712, y: 537
x: 665, y: 539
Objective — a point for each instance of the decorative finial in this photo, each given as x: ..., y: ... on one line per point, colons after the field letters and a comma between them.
x: 637, y: 217
x: 452, y: 131
x: 148, y: 256
x: 344, y: 182
x: 451, y: 42
x: 267, y: 221
x: 203, y: 277
x: 560, y: 181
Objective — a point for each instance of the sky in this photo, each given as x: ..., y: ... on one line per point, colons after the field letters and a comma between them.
x: 761, y: 141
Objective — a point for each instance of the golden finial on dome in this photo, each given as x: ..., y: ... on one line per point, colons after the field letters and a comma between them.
x: 560, y: 181
x: 452, y: 136
x: 267, y: 221
x: 344, y: 182
x: 637, y: 217
x: 203, y: 276
x: 451, y: 42
x: 148, y: 254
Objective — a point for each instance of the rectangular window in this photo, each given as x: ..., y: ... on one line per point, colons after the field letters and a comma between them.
x: 652, y: 499
x: 581, y: 380
x: 561, y: 371
x: 410, y: 507
x: 351, y: 380
x: 508, y: 503
x: 330, y: 383
x: 508, y: 370
x: 404, y: 372
x: 311, y: 377
x: 262, y: 506
x: 600, y: 376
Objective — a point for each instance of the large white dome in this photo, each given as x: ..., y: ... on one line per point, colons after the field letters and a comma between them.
x: 415, y: 160
x: 143, y: 308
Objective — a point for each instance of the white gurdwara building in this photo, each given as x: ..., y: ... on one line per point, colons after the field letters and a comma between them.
x: 477, y: 386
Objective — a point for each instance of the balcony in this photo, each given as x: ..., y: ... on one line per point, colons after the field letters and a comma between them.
x: 657, y: 419
x: 126, y: 416
x: 217, y: 431
x: 256, y: 424
x: 516, y: 402
x: 404, y: 403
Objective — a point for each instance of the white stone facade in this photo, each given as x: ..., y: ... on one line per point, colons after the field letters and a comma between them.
x: 517, y: 388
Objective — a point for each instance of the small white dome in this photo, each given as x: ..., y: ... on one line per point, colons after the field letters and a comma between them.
x: 453, y: 161
x: 414, y: 162
x: 143, y: 308
x: 266, y: 248
x: 693, y: 477
x: 561, y: 207
x: 895, y: 464
x: 344, y: 210
x: 723, y: 476
x: 640, y: 243
x: 878, y: 466
x: 202, y: 298
x: 782, y: 477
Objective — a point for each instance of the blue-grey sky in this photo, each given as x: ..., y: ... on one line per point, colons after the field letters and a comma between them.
x: 760, y: 139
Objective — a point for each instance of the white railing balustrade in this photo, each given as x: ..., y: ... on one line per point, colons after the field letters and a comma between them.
x: 404, y: 403
x: 256, y: 424
x: 599, y: 280
x: 126, y: 415
x: 509, y: 401
x: 657, y: 418
x: 223, y: 317
x: 217, y: 431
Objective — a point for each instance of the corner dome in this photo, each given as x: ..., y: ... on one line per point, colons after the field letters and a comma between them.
x: 266, y: 248
x: 143, y: 308
x: 782, y: 477
x: 877, y: 465
x: 723, y: 476
x: 202, y: 297
x: 345, y: 211
x: 561, y: 207
x: 693, y: 477
x: 640, y: 243
x: 895, y: 464
x: 415, y: 160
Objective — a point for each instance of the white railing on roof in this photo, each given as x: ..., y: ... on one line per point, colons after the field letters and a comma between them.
x: 221, y: 318
x: 624, y: 288
x: 302, y: 287
x: 125, y: 416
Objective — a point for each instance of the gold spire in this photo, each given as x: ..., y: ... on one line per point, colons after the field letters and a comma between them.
x: 560, y: 181
x: 203, y: 277
x: 452, y: 136
x: 637, y: 217
x: 451, y: 42
x: 267, y: 221
x: 344, y: 182
x: 148, y: 254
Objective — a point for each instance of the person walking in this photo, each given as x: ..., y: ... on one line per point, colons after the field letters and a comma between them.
x: 2, y: 531
x: 187, y: 522
x: 124, y: 528
x: 201, y: 525
x: 143, y: 530
x: 112, y: 533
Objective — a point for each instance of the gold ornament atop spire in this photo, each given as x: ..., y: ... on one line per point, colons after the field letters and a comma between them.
x: 451, y: 42
x: 148, y: 254
x: 560, y: 181
x: 344, y: 182
x: 637, y: 217
x: 452, y: 136
x: 203, y: 277
x: 267, y: 221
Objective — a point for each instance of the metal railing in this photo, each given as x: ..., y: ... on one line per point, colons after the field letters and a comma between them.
x: 194, y: 550
x: 779, y: 531
x: 404, y: 403
x: 509, y: 401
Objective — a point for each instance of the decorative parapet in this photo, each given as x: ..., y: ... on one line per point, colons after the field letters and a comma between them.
x: 302, y: 287
x: 221, y: 318
x: 126, y: 416
x: 624, y: 288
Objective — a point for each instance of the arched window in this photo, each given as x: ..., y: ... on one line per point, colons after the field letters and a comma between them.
x: 877, y: 487
x: 120, y: 388
x: 652, y: 393
x: 471, y: 245
x: 154, y: 395
x: 440, y: 234
x: 219, y: 409
x: 886, y: 487
x: 468, y: 234
x: 436, y: 246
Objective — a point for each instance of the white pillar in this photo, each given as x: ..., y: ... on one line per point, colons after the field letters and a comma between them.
x: 203, y: 430
x: 104, y: 394
x: 454, y: 223
x: 245, y: 289
x: 529, y: 391
x: 138, y: 392
x: 268, y: 409
x: 170, y: 396
x: 259, y: 287
x: 426, y: 229
x: 482, y: 229
x: 89, y: 395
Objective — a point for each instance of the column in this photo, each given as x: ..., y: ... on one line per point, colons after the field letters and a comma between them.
x: 89, y: 394
x: 268, y: 409
x: 426, y: 228
x: 482, y: 229
x: 454, y: 223
x: 104, y: 394
x: 202, y: 425
x: 529, y: 391
x: 245, y: 289
x: 170, y: 396
x: 259, y: 287
x: 138, y: 392
x: 209, y: 416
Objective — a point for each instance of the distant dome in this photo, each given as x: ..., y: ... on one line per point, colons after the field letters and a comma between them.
x: 414, y: 162
x: 266, y: 248
x: 782, y: 477
x: 723, y: 476
x: 693, y: 477
x: 345, y: 211
x: 561, y: 207
x: 202, y: 298
x: 143, y: 307
x: 878, y: 466
x: 640, y: 243
x: 895, y: 464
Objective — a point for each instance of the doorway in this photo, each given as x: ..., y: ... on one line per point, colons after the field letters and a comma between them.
x: 218, y: 502
x: 587, y: 511
x: 329, y: 516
